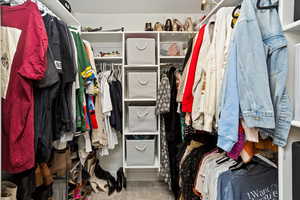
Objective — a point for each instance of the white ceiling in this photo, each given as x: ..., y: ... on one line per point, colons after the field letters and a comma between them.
x: 135, y: 6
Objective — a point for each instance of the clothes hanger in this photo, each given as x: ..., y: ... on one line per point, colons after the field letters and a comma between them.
x: 266, y: 7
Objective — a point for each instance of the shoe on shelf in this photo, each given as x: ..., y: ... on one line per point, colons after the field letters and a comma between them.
x: 188, y: 26
x: 158, y: 27
x: 168, y: 25
x: 148, y: 27
x: 177, y: 25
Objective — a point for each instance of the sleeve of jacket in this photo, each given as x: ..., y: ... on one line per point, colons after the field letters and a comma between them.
x: 229, y: 120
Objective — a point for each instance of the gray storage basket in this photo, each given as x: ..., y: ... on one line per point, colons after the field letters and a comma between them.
x: 142, y: 119
x: 140, y: 51
x: 142, y: 84
x: 140, y: 152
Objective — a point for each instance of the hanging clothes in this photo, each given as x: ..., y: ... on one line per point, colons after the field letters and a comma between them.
x: 115, y: 89
x: 18, y: 107
x: 164, y: 172
x: 163, y: 96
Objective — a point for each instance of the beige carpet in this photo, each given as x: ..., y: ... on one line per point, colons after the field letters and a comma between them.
x: 139, y: 191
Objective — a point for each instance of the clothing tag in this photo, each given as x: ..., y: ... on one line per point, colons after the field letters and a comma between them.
x: 58, y: 64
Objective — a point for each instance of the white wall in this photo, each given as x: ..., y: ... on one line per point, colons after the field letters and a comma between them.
x: 131, y: 22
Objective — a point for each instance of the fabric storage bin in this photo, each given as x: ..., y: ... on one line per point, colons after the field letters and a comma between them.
x: 142, y: 118
x: 142, y: 84
x: 140, y: 51
x: 140, y: 152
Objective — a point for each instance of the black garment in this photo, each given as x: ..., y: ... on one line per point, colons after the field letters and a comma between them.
x: 173, y: 132
x: 188, y: 170
x: 189, y: 52
x: 115, y: 89
x: 63, y: 104
x: 25, y: 184
x: 45, y: 91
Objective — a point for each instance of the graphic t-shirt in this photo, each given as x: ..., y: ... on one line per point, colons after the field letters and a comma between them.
x: 258, y: 182
x: 8, y: 42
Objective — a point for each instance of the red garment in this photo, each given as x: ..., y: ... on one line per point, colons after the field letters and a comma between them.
x: 188, y: 98
x: 29, y: 64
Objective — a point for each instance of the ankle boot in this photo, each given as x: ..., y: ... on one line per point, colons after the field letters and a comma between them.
x: 10, y: 188
x: 59, y: 163
x: 47, y: 176
x: 38, y: 176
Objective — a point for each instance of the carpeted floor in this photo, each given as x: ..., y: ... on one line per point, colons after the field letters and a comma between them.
x: 139, y: 191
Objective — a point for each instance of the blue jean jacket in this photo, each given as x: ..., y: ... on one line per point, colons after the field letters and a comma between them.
x: 260, y: 63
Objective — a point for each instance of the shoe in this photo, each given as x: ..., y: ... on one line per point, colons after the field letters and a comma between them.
x: 59, y: 163
x: 148, y: 27
x: 168, y: 25
x: 102, y: 174
x: 188, y: 26
x: 158, y: 27
x: 177, y: 25
x: 38, y: 177
x: 10, y: 189
x: 122, y: 181
x: 46, y: 174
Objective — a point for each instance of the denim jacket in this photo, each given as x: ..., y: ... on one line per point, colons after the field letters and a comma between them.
x: 262, y: 69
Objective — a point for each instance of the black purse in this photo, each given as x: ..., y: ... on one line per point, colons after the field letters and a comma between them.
x: 66, y: 4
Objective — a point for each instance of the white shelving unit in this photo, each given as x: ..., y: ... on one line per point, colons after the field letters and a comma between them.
x: 111, y: 40
x: 292, y: 33
x: 101, y: 40
x: 60, y: 11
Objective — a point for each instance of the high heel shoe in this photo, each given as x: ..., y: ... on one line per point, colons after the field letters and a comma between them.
x: 188, y: 26
x: 177, y: 25
x: 168, y: 25
x: 122, y: 182
x: 102, y: 174
x: 158, y: 27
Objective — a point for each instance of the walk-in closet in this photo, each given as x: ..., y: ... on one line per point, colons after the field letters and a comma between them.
x: 150, y: 100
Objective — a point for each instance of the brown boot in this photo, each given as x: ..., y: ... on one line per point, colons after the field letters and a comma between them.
x: 38, y: 177
x: 47, y: 176
x: 59, y: 163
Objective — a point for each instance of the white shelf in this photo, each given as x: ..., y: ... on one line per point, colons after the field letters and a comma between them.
x: 103, y: 37
x: 107, y: 58
x: 60, y: 11
x: 139, y: 100
x: 294, y: 26
x: 296, y: 123
x: 156, y: 165
x: 137, y: 66
x: 170, y: 58
x: 140, y: 133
